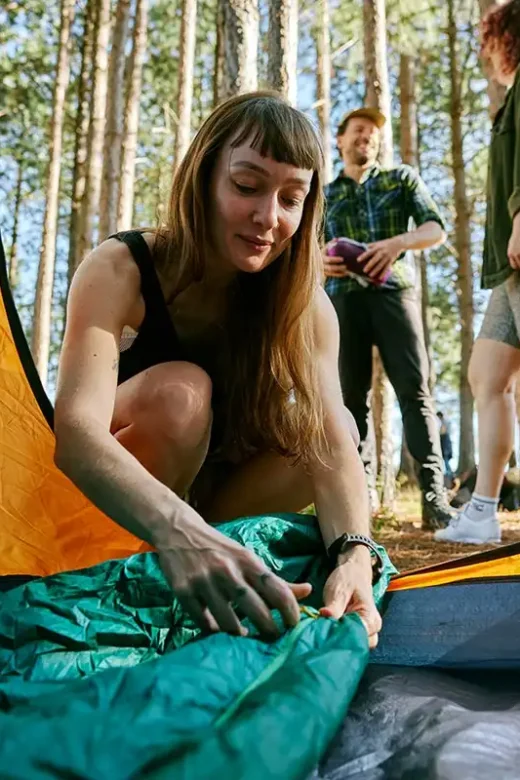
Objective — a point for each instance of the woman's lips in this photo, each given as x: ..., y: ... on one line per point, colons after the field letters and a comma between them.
x: 258, y: 245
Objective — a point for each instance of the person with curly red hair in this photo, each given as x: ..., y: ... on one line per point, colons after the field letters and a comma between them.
x: 495, y: 361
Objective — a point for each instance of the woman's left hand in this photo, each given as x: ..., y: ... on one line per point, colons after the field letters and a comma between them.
x: 349, y: 589
x: 513, y: 248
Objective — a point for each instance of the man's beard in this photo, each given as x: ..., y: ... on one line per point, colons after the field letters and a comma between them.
x: 363, y: 156
x: 360, y: 158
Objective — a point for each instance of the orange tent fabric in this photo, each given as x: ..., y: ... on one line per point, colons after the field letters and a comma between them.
x: 46, y: 524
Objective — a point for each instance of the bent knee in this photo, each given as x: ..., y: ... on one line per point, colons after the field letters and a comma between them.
x: 176, y: 400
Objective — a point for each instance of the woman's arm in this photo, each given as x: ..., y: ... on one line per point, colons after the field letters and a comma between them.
x: 206, y: 570
x: 341, y: 494
x: 104, y: 296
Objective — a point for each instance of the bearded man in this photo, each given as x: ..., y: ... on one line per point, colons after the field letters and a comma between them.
x: 391, y: 211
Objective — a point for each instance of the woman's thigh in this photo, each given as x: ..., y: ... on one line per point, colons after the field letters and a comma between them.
x: 266, y: 483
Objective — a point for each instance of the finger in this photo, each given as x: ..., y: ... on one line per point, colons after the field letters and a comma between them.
x: 338, y: 272
x: 252, y: 605
x: 336, y: 600
x: 366, y: 255
x: 334, y: 260
x: 200, y: 614
x: 373, y: 262
x: 300, y: 589
x: 373, y: 638
x: 279, y: 595
x: 334, y: 609
x: 222, y: 610
x: 371, y: 620
x: 378, y: 270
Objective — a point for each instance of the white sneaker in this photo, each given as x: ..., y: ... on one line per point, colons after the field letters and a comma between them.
x: 466, y: 531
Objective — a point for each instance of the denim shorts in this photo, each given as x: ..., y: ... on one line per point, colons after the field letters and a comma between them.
x: 502, y: 317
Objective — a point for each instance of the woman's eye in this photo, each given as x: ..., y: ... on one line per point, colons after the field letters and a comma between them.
x: 292, y: 202
x: 244, y: 188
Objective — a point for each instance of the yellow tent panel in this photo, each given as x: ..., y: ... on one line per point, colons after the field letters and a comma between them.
x: 46, y: 524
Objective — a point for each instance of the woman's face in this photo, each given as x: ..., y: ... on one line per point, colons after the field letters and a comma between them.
x: 257, y: 206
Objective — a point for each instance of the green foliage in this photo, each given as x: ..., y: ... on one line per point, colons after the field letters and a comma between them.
x: 28, y: 38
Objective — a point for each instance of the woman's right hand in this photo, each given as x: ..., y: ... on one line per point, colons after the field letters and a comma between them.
x: 212, y: 575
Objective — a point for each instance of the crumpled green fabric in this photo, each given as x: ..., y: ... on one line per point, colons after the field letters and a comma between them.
x: 90, y: 687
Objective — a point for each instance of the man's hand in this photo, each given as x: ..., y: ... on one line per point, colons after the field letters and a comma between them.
x: 513, y: 248
x: 381, y: 255
x: 333, y: 265
x: 349, y: 589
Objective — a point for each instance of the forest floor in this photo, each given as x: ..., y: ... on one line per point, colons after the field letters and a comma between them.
x: 411, y: 548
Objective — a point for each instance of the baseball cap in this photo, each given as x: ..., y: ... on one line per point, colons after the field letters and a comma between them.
x: 376, y: 116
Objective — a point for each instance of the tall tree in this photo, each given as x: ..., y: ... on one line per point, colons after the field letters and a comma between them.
x: 43, y: 302
x: 409, y: 153
x: 378, y: 96
x: 81, y: 135
x: 323, y: 71
x: 185, y: 86
x: 131, y: 121
x: 113, y: 138
x: 240, y: 46
x: 13, y: 251
x: 90, y: 202
x: 218, y: 65
x: 283, y: 47
x: 496, y: 91
x: 463, y: 247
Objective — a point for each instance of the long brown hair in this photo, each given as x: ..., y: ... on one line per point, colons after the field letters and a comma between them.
x: 501, y: 26
x: 271, y: 398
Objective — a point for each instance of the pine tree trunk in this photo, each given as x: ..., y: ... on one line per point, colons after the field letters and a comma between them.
x: 218, y: 68
x: 323, y: 71
x: 41, y: 335
x: 496, y: 92
x: 81, y: 137
x: 378, y: 96
x: 131, y: 122
x: 240, y: 46
x: 185, y: 94
x: 13, y: 251
x: 463, y: 246
x: 409, y: 154
x: 283, y: 47
x: 94, y: 167
x: 115, y: 105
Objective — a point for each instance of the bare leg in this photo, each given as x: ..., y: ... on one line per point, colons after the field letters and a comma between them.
x: 163, y: 417
x: 492, y: 373
x: 266, y: 483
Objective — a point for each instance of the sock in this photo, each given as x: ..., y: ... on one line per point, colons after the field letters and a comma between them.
x: 481, y: 508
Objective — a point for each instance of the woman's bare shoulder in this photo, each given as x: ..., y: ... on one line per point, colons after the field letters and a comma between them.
x: 108, y: 278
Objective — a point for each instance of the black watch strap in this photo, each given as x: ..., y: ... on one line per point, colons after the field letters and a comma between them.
x: 346, y: 541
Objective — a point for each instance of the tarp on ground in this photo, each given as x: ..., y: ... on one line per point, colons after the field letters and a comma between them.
x: 103, y: 676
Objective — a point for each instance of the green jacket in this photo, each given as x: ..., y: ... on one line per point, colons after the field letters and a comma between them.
x: 503, y: 188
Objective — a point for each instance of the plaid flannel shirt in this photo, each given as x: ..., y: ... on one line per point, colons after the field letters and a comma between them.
x: 380, y: 206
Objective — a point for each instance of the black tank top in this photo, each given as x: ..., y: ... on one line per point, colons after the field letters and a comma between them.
x: 157, y: 341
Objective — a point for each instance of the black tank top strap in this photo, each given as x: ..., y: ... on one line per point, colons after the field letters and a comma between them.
x: 157, y: 341
x: 142, y: 255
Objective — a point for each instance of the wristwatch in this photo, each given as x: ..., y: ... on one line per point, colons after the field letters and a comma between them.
x: 346, y: 541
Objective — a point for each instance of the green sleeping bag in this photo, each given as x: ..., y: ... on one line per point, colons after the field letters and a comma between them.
x: 103, y: 676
